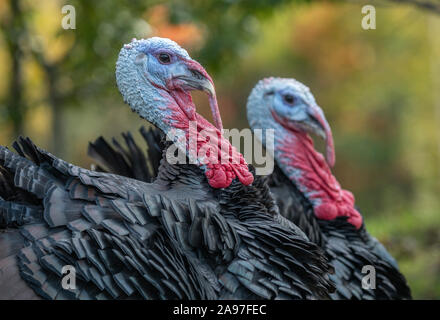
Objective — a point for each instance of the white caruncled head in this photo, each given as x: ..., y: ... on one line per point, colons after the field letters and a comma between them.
x: 151, y: 73
x: 288, y: 107
x: 289, y: 103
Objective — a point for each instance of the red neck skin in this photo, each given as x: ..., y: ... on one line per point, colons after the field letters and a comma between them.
x: 181, y: 110
x: 310, y: 172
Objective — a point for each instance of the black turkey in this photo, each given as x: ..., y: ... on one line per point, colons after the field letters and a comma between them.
x: 200, y: 231
x: 309, y: 195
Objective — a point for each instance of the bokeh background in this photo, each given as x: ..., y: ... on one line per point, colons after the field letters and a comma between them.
x: 380, y: 90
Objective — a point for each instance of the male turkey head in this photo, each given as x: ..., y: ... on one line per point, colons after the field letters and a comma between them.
x: 156, y: 71
x: 289, y: 103
x: 156, y: 76
x: 288, y: 107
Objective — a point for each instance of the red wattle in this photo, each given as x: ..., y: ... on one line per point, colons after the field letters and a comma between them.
x: 223, y: 162
x: 244, y: 175
x: 217, y: 178
x: 316, y: 180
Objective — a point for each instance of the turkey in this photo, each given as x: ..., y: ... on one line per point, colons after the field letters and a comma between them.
x: 310, y: 196
x: 202, y: 230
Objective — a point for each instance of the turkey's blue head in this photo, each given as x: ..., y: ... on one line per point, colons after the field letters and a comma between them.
x: 156, y: 76
x: 289, y: 108
x: 288, y: 103
x: 151, y: 72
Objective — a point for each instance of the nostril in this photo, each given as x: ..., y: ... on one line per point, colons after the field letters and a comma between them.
x: 270, y: 93
x: 197, y: 74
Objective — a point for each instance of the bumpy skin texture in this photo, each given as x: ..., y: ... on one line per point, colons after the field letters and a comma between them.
x: 174, y: 239
x: 298, y: 186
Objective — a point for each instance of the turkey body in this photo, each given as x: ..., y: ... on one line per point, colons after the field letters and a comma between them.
x: 174, y: 239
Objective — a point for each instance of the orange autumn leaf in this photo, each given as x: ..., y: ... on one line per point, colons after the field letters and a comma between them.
x: 186, y: 34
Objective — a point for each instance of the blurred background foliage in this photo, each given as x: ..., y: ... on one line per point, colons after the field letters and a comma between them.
x: 379, y: 88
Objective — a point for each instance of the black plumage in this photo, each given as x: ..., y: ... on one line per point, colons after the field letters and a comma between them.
x: 347, y: 249
x: 177, y: 238
x: 130, y: 161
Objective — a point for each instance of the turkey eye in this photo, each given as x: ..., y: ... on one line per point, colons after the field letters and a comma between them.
x: 289, y: 99
x: 164, y: 58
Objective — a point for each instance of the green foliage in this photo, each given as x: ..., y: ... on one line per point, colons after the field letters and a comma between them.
x: 229, y: 25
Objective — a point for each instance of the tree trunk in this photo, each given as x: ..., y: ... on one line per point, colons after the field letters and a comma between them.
x: 56, y: 104
x: 433, y: 27
x: 15, y: 104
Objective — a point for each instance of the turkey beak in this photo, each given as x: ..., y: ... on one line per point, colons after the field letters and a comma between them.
x: 318, y: 125
x: 196, y: 78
